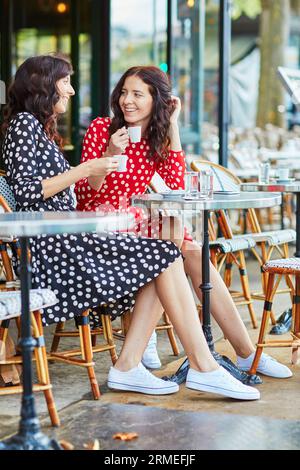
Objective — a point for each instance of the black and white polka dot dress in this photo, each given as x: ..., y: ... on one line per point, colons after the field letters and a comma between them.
x: 84, y: 270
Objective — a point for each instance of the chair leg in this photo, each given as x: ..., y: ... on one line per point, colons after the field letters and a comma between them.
x: 87, y: 352
x: 264, y: 322
x: 246, y: 288
x: 171, y: 335
x: 125, y: 322
x: 94, y: 340
x: 290, y: 285
x: 296, y: 319
x: 9, y: 275
x: 108, y: 335
x: 228, y: 272
x: 8, y: 372
x: 213, y: 258
x: 265, y: 277
x: 56, y: 338
x: 3, y: 332
x: 43, y: 370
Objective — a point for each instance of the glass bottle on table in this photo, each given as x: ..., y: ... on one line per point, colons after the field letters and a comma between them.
x: 264, y: 173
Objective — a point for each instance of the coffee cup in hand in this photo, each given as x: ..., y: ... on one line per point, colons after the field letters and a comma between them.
x: 135, y: 133
x: 122, y: 162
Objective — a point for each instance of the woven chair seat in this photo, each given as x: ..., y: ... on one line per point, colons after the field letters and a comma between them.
x: 230, y: 245
x: 10, y: 302
x: 274, y: 238
x: 6, y: 239
x: 283, y: 266
x: 7, y: 193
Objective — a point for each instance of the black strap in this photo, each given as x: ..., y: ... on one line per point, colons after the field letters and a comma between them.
x: 296, y: 299
x: 268, y: 306
x: 82, y: 320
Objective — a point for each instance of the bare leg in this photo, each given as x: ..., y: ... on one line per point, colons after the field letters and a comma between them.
x: 223, y: 308
x: 146, y: 314
x: 172, y: 230
x: 172, y: 289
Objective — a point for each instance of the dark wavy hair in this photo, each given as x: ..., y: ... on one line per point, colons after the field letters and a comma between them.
x: 160, y: 89
x: 34, y: 90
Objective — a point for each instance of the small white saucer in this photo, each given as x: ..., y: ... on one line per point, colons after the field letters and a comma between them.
x: 173, y: 194
x: 285, y: 181
x: 194, y: 198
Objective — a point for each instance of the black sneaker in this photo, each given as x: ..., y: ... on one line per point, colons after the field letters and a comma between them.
x: 284, y: 323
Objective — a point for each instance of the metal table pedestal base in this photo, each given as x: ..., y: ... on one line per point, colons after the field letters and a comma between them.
x: 36, y: 441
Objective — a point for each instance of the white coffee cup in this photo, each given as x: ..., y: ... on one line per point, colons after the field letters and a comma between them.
x: 135, y: 133
x: 122, y: 162
x: 282, y: 173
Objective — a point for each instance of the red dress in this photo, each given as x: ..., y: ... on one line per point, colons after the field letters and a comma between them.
x: 118, y: 187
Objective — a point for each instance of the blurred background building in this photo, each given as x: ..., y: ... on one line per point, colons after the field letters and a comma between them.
x: 105, y: 37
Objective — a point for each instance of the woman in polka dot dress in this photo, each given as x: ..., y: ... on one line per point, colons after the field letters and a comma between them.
x: 87, y: 270
x: 142, y: 97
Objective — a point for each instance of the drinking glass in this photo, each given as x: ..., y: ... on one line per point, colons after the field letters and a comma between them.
x: 206, y: 183
x: 264, y: 173
x: 191, y: 184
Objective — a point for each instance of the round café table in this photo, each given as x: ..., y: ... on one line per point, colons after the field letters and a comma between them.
x: 31, y: 224
x: 178, y: 205
x: 276, y: 187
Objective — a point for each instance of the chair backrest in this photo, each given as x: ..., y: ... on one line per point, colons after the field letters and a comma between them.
x: 224, y: 180
x: 7, y: 199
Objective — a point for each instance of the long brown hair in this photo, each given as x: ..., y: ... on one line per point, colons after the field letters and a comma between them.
x: 34, y: 90
x: 160, y: 89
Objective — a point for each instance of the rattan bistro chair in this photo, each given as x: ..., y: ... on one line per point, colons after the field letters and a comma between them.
x: 268, y: 242
x: 286, y: 267
x: 10, y: 308
x: 82, y: 356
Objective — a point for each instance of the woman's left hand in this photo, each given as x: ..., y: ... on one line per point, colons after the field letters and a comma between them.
x: 176, y: 104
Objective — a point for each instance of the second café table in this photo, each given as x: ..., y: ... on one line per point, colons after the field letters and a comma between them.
x: 31, y: 224
x: 178, y: 205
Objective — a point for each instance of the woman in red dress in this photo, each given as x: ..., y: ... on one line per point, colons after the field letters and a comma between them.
x: 158, y: 151
x: 142, y: 97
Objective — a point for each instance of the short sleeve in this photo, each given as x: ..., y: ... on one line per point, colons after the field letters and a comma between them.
x: 20, y: 158
x: 172, y: 169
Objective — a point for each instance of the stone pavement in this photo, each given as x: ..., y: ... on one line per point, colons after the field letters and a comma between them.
x: 186, y: 420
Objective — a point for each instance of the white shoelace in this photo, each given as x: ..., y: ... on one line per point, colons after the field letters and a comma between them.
x: 229, y: 378
x: 265, y: 358
x: 148, y: 374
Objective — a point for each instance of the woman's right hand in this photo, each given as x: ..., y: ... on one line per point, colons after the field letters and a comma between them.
x: 102, y: 166
x: 118, y: 142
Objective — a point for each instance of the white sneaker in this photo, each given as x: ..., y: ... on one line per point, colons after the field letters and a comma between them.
x: 150, y: 357
x: 222, y: 382
x: 139, y: 379
x: 267, y: 366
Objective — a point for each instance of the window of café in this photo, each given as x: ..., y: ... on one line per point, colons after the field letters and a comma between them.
x: 48, y: 26
x: 187, y: 49
x: 138, y: 35
x: 104, y: 38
